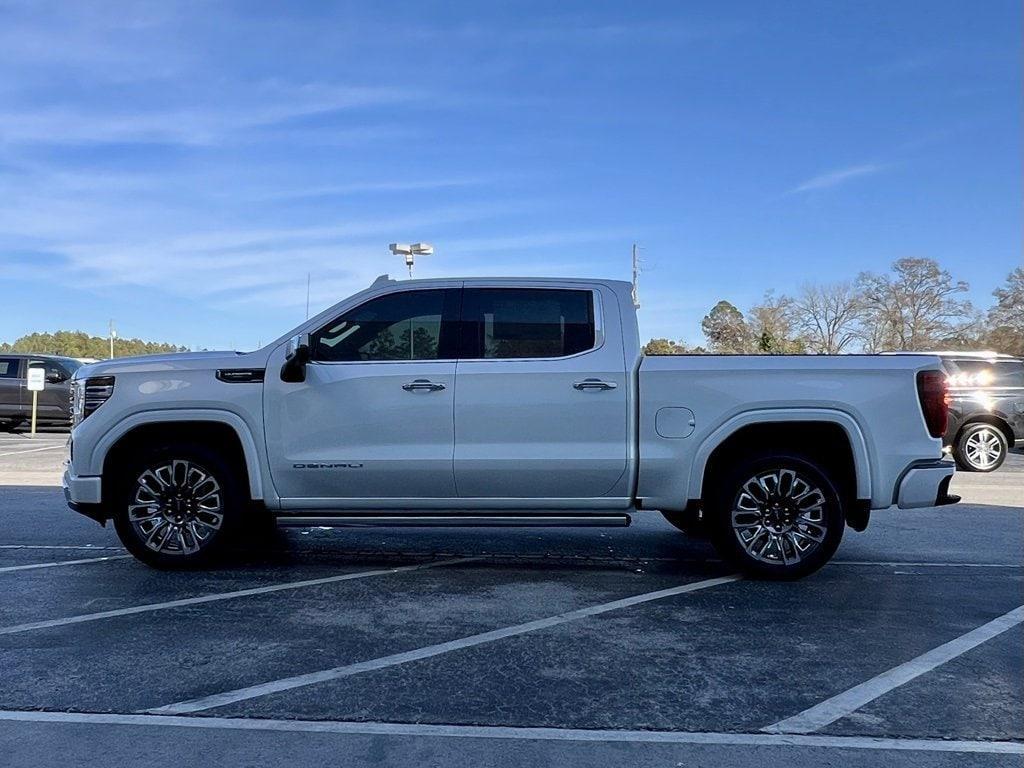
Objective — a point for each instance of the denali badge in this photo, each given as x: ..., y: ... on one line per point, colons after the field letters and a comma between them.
x: 332, y: 465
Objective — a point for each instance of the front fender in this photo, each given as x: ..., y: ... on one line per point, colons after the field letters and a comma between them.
x: 228, y: 418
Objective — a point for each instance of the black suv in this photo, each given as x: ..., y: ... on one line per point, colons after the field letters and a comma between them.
x: 986, y: 407
x: 54, y: 402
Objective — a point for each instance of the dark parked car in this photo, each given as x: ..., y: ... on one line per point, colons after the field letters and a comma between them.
x: 54, y: 406
x: 986, y: 407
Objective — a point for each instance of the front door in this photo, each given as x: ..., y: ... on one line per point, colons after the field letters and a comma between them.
x: 374, y: 418
x: 541, y: 410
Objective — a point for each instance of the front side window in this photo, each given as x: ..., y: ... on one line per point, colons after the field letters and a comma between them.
x: 414, y: 325
x: 54, y: 371
x: 8, y: 368
x: 526, y: 322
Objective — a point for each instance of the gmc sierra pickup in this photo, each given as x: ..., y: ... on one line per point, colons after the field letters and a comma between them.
x: 502, y: 402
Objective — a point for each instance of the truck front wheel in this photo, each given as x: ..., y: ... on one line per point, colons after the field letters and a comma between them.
x: 178, y: 505
x: 776, y: 517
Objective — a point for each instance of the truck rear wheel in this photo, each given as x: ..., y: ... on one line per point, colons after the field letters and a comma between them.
x: 178, y: 506
x: 775, y: 517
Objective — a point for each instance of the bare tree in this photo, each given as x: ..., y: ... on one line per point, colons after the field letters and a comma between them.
x: 1006, y: 318
x: 828, y: 317
x: 913, y: 308
x: 775, y: 327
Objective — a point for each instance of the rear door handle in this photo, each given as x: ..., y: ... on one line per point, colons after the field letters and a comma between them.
x: 594, y: 384
x: 422, y: 385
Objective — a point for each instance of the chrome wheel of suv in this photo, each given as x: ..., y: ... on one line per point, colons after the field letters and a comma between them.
x: 176, y: 507
x: 779, y: 517
x: 981, y: 447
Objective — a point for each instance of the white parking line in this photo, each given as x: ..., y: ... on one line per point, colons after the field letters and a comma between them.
x: 841, y: 705
x: 149, y: 607
x: 288, y: 683
x: 57, y: 564
x: 524, y: 734
x: 33, y: 450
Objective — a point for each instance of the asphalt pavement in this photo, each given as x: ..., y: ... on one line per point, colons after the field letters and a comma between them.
x: 518, y: 647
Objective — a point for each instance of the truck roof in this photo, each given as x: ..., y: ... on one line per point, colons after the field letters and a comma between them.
x: 383, y: 280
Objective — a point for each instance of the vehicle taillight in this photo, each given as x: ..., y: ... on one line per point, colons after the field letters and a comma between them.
x: 932, y: 391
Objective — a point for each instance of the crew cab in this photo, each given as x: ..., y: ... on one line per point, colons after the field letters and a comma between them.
x: 502, y: 402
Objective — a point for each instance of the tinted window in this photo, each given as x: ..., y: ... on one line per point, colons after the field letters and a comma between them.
x: 8, y: 368
x: 400, y: 326
x: 982, y: 373
x: 52, y: 368
x: 526, y: 322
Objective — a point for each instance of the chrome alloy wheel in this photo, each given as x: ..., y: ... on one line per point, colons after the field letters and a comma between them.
x: 176, y: 508
x: 983, y: 449
x: 779, y: 517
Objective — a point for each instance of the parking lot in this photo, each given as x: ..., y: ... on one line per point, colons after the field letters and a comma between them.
x: 625, y: 647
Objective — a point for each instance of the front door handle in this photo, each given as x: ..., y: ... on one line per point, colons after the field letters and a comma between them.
x: 422, y: 385
x: 594, y: 384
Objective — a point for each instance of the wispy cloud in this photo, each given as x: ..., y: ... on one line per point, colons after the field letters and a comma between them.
x: 837, y: 177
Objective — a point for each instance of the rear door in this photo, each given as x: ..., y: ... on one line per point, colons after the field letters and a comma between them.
x: 541, y: 394
x: 10, y: 388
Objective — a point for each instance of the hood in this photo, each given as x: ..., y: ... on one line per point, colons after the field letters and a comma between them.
x: 173, y: 361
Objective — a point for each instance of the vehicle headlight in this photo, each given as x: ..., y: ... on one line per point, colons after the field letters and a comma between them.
x: 89, y: 394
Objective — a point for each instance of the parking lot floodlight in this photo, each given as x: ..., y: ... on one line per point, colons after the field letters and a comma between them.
x: 410, y: 252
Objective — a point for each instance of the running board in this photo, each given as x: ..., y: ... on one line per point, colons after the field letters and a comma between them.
x: 475, y: 519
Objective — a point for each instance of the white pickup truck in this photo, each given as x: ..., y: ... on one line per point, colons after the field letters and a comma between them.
x: 502, y: 402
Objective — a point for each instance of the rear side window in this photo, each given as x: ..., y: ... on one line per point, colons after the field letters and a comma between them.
x: 982, y: 373
x: 413, y: 325
x: 506, y: 323
x: 8, y: 368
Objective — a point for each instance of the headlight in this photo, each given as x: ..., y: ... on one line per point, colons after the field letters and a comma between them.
x: 88, y: 395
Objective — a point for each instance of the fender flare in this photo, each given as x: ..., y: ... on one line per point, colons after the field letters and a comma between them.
x: 228, y: 418
x: 858, y: 444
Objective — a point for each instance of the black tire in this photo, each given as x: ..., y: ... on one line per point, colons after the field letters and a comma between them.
x: 980, y: 447
x: 9, y: 425
x: 195, y: 522
x: 802, y: 488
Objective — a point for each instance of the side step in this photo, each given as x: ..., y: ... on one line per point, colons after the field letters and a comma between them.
x: 472, y: 519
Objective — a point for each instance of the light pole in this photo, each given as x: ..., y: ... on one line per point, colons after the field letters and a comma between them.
x: 411, y: 252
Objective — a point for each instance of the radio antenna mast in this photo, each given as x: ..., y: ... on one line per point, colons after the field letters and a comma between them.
x: 636, y: 275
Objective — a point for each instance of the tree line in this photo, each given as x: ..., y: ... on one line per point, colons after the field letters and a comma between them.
x: 81, y: 344
x: 916, y: 306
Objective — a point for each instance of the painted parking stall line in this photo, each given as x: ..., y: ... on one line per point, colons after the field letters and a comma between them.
x: 827, y: 712
x: 59, y: 563
x: 516, y: 733
x: 219, y: 596
x: 395, y: 659
x: 33, y: 450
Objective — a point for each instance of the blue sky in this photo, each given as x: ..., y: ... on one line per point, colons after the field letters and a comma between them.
x: 180, y: 167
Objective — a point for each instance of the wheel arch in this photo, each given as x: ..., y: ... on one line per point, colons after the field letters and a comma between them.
x: 838, y: 443
x: 222, y: 428
x: 988, y: 418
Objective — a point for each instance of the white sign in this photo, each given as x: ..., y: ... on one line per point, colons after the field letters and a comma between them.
x: 36, y: 379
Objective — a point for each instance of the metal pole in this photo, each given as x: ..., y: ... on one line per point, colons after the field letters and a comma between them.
x: 35, y: 403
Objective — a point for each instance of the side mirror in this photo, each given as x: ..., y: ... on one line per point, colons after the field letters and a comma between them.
x: 54, y: 377
x: 294, y: 369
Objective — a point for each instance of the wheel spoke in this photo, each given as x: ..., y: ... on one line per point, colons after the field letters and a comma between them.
x: 177, y: 507
x: 779, y: 516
